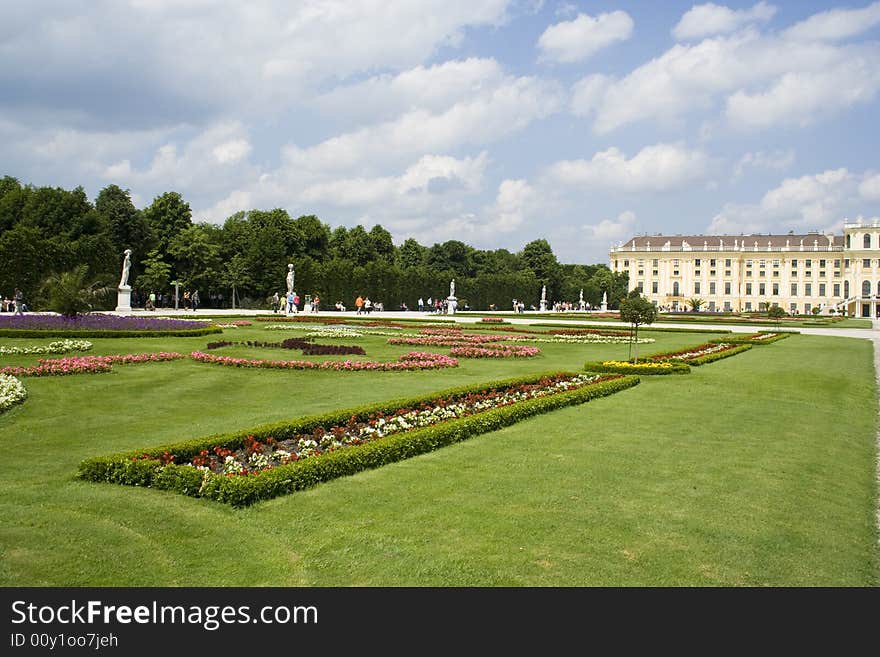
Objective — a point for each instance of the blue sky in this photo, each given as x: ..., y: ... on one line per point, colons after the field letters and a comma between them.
x: 495, y: 122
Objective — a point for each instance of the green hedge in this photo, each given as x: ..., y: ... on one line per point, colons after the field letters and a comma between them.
x: 245, y: 490
x: 747, y: 339
x: 647, y: 367
x: 718, y: 355
x: 57, y: 333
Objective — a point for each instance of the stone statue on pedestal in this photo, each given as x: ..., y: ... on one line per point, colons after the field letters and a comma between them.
x: 290, y: 276
x: 126, y: 267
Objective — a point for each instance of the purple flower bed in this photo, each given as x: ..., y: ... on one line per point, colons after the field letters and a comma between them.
x: 96, y: 322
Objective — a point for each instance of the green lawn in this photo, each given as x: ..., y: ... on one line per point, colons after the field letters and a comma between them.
x: 754, y: 470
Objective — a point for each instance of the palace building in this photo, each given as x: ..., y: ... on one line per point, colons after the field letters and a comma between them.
x: 736, y: 273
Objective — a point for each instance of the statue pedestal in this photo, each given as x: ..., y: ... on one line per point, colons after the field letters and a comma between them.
x: 543, y: 305
x: 123, y: 299
x: 451, y: 305
x: 604, y: 307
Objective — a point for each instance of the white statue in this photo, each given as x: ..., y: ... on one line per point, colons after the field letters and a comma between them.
x: 126, y: 267
x: 543, y: 293
x: 452, y: 289
x: 290, y: 278
x: 581, y: 298
x: 604, y: 298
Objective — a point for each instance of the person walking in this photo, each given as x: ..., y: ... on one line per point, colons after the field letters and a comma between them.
x: 315, y: 301
x: 275, y: 301
x: 359, y: 304
x: 421, y: 305
x: 18, y: 298
x: 195, y: 300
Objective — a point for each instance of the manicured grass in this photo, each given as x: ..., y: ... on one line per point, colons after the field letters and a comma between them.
x: 755, y: 470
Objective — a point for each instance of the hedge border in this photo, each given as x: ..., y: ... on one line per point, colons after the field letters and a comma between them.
x: 647, y: 368
x: 777, y: 336
x: 98, y: 333
x: 618, y: 327
x: 240, y: 491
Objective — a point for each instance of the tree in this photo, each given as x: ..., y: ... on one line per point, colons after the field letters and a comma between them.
x: 381, y: 244
x: 776, y: 312
x: 314, y: 236
x: 72, y: 292
x: 411, y: 254
x: 195, y: 256
x: 127, y: 225
x: 695, y: 304
x: 156, y: 273
x: 637, y: 311
x: 167, y: 216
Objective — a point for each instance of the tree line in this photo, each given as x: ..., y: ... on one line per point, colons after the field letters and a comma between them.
x: 45, y: 231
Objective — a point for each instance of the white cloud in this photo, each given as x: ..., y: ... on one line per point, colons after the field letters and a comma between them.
x: 836, y: 24
x: 576, y: 40
x: 655, y: 168
x: 775, y: 161
x: 708, y: 19
x: 432, y: 88
x: 747, y: 71
x: 800, y: 98
x: 190, y: 58
x: 490, y: 114
x: 870, y: 188
x: 231, y: 151
x: 612, y: 230
x: 419, y: 185
x: 812, y: 202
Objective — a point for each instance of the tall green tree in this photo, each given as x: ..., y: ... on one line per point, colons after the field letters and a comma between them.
x: 127, y: 226
x: 167, y: 216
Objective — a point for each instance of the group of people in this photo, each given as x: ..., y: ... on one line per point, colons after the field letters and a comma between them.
x: 152, y: 300
x: 16, y: 304
x: 289, y: 303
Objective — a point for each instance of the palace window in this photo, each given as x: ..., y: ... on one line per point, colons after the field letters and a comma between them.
x: 726, y: 288
x: 654, y: 264
x: 808, y: 289
x: 641, y: 287
x: 697, y: 287
x: 748, y: 305
x: 794, y: 264
x: 762, y: 289
x: 712, y: 262
x: 836, y: 289
x: 696, y: 262
x: 727, y: 262
x: 794, y: 289
x: 846, y: 289
x: 727, y: 272
x: 697, y: 272
x: 776, y: 289
x: 808, y: 263
x: 654, y: 287
x: 866, y: 288
x: 866, y: 263
x: 866, y: 241
x: 712, y: 287
x: 821, y: 264
x: 821, y: 289
x: 748, y: 289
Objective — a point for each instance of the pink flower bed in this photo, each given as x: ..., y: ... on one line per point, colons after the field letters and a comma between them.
x: 414, y: 360
x: 495, y: 351
x: 85, y: 364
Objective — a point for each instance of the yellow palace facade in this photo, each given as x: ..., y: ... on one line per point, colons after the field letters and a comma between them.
x: 735, y: 273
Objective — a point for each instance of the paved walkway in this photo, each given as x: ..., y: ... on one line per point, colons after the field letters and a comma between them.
x: 526, y: 318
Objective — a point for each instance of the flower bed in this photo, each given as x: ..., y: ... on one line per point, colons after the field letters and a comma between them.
x: 702, y: 354
x: 626, y: 367
x: 414, y: 360
x: 493, y: 320
x: 57, y: 347
x: 12, y: 392
x: 303, y: 344
x: 495, y: 351
x: 86, y: 364
x: 95, y: 325
x: 368, y: 437
x: 237, y: 323
x: 762, y: 337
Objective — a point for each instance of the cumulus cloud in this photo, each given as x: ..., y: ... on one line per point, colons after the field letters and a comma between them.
x: 813, y: 202
x: 761, y: 80
x: 186, y: 60
x: 774, y: 161
x: 655, y: 168
x: 870, y: 188
x: 491, y: 113
x: 836, y: 24
x: 612, y: 230
x: 579, y: 39
x: 709, y: 19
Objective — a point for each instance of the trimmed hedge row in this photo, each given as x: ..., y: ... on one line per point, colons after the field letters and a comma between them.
x: 131, y: 469
x: 666, y: 367
x: 749, y: 339
x: 718, y: 355
x: 86, y: 333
